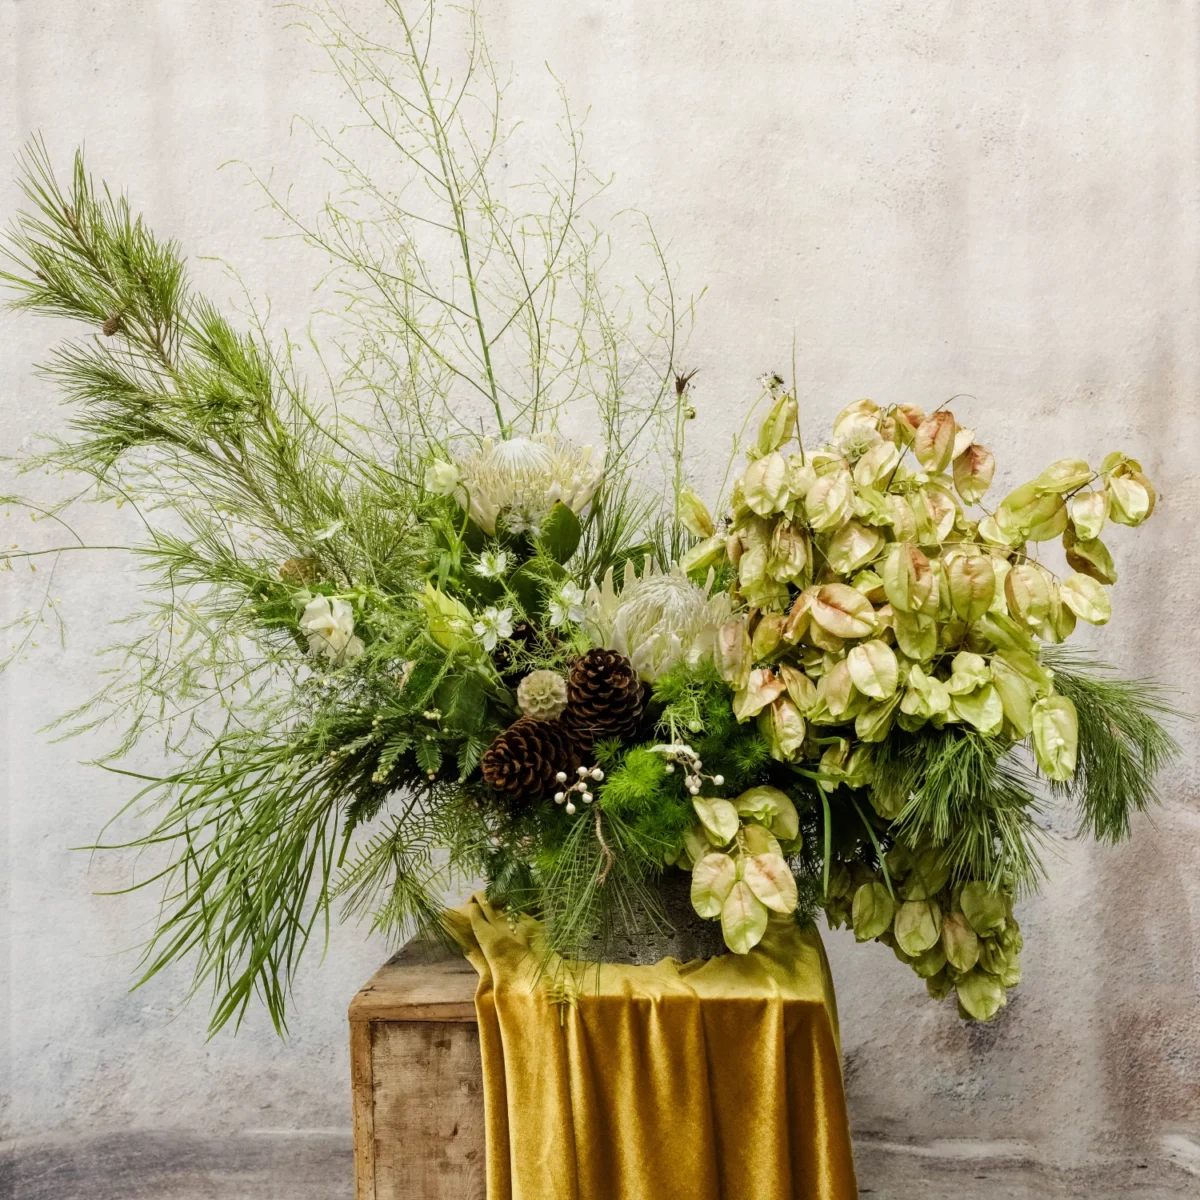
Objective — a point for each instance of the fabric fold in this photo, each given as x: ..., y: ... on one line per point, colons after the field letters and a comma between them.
x: 708, y: 1080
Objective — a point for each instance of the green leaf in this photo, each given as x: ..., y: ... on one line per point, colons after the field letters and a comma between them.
x: 429, y: 755
x: 561, y: 532
x: 743, y: 918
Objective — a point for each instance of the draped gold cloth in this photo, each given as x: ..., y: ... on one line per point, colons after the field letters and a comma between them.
x: 717, y: 1080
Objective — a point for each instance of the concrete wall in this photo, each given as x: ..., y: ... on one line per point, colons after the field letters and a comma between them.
x: 931, y: 198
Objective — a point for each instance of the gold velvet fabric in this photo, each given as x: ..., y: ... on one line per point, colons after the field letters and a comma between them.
x: 708, y: 1080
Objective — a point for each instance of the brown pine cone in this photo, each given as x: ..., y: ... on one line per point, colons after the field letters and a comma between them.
x: 604, y: 697
x: 522, y: 762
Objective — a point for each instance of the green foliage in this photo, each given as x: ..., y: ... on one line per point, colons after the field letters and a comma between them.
x: 1123, y: 744
x: 966, y: 793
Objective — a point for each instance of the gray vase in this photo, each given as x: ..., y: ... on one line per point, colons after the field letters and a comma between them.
x: 686, y: 935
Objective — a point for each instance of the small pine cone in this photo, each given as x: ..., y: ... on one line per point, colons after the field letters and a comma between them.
x: 604, y: 697
x: 522, y: 762
x: 542, y: 695
x: 112, y: 325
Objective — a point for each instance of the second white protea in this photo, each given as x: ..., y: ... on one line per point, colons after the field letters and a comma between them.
x: 656, y: 620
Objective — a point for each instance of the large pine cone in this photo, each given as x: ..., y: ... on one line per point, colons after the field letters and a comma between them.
x: 521, y: 762
x: 604, y: 697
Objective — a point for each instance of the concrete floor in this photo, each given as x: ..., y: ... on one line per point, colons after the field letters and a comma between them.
x: 318, y: 1166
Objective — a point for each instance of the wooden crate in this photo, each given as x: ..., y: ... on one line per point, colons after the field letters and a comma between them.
x: 417, y: 1081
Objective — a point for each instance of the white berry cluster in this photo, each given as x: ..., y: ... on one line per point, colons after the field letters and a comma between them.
x: 683, y: 755
x: 582, y: 785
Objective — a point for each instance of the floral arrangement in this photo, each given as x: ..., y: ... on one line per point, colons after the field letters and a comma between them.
x: 412, y: 633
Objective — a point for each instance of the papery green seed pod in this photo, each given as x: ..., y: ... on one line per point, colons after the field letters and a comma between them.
x: 1055, y: 736
x: 916, y: 635
x: 779, y: 427
x: 960, y: 942
x: 982, y: 708
x: 782, y: 728
x: 694, y: 514
x: 704, y: 554
x: 984, y: 908
x: 1016, y: 695
x: 933, y: 442
x: 1065, y: 475
x: 929, y: 875
x: 972, y: 584
x: 907, y: 577
x: 1090, y: 557
x: 852, y: 547
x: 1027, y: 590
x: 765, y: 485
x: 974, y: 469
x: 1086, y: 598
x: 873, y: 669
x: 918, y: 926
x: 873, y: 911
x: 789, y: 553
x: 931, y: 963
x: 842, y: 611
x: 876, y: 465
x: 830, y: 501
x: 991, y: 956
x: 767, y: 635
x: 980, y: 995
x: 1089, y: 513
x: 873, y: 724
x: 939, y: 986
x: 733, y: 655
x: 854, y: 416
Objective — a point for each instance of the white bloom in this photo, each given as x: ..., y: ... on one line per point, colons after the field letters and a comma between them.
x: 567, y: 605
x: 329, y: 625
x: 492, y: 564
x: 655, y: 621
x: 523, y: 478
x: 857, y: 437
x: 441, y: 478
x: 493, y: 625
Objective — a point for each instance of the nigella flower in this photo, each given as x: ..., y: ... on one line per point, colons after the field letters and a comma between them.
x: 493, y: 625
x: 492, y: 564
x: 656, y: 620
x: 329, y: 624
x: 567, y: 605
x: 522, y: 478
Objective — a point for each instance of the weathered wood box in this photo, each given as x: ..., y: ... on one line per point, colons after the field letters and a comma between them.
x: 417, y: 1081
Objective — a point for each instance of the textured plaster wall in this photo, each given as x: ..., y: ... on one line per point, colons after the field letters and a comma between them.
x: 930, y: 198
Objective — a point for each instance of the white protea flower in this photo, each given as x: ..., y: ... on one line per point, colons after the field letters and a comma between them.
x: 656, y: 620
x: 522, y: 478
x: 329, y: 625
